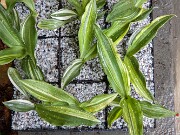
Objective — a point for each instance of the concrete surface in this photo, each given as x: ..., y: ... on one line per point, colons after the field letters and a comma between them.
x: 176, y: 56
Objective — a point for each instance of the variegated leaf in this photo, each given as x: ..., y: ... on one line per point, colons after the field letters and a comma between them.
x: 145, y: 13
x: 117, y: 31
x: 86, y: 31
x: 31, y: 70
x: 92, y: 53
x: 100, y: 3
x: 144, y: 36
x: 124, y: 11
x: 133, y: 115
x: 114, y: 114
x: 155, y: 110
x: 29, y: 3
x: 8, y: 34
x: 139, y: 3
x: 46, y: 92
x: 85, y: 2
x: 137, y: 78
x: 98, y: 102
x: 15, y: 78
x: 112, y: 64
x: 72, y: 71
x: 77, y: 5
x: 65, y: 115
x: 29, y: 35
x: 63, y: 14
x: 19, y: 105
x: 9, y: 54
x: 51, y: 24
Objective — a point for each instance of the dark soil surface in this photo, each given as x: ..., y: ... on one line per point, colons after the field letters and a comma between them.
x: 6, y: 93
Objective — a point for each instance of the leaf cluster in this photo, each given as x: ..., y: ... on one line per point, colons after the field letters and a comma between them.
x: 61, y: 108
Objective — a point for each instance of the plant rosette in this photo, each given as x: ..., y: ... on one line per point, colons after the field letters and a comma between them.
x: 55, y: 105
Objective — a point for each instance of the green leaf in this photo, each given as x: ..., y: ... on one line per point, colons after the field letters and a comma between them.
x: 31, y: 70
x: 8, y: 34
x: 65, y: 115
x: 60, y: 103
x: 9, y: 54
x: 98, y: 103
x: 17, y: 20
x: 124, y: 11
x: 77, y: 6
x: 74, y: 69
x: 85, y: 2
x: 155, y: 111
x: 137, y: 78
x: 145, y: 13
x: 139, y: 3
x: 63, y: 14
x: 133, y: 116
x: 51, y: 24
x: 101, y: 14
x: 71, y: 72
x: 15, y: 78
x: 92, y: 53
x: 144, y: 36
x: 116, y: 102
x: 117, y: 31
x: 29, y: 34
x: 86, y: 31
x: 112, y: 64
x: 100, y: 3
x: 29, y: 3
x: 19, y: 105
x: 114, y: 114
x: 46, y: 92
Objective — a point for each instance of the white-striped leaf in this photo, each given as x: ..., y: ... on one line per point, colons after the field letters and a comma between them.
x: 65, y: 115
x: 114, y: 114
x: 16, y: 19
x: 19, y: 105
x: 92, y: 53
x: 51, y: 24
x: 124, y: 10
x: 15, y: 78
x: 133, y: 115
x: 29, y: 34
x: 9, y: 54
x: 63, y: 14
x: 98, y: 103
x: 144, y: 36
x: 155, y: 110
x: 8, y: 34
x: 116, y: 102
x: 31, y: 70
x: 112, y: 64
x: 86, y: 31
x: 139, y: 3
x: 100, y: 3
x: 71, y: 72
x: 84, y: 3
x: 77, y: 5
x: 137, y: 78
x: 29, y: 3
x: 46, y: 92
x: 117, y: 31
x: 145, y: 13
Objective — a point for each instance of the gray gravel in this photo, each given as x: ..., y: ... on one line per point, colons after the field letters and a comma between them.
x: 47, y: 54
